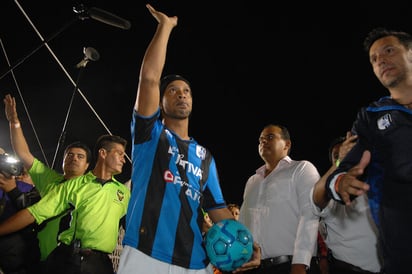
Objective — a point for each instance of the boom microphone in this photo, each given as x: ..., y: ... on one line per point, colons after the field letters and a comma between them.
x: 108, y: 18
x: 90, y: 54
x: 102, y: 16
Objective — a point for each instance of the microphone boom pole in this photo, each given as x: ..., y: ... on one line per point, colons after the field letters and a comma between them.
x: 82, y: 14
x: 65, y: 71
x: 44, y: 42
x: 90, y: 54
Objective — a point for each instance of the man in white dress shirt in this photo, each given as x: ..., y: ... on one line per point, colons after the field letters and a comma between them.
x: 276, y: 207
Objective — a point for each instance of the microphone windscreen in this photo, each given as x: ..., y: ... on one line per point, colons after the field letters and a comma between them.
x: 108, y: 18
x: 91, y: 54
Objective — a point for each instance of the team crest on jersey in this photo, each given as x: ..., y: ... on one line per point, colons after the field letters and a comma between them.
x: 384, y: 122
x: 200, y: 152
x: 120, y: 195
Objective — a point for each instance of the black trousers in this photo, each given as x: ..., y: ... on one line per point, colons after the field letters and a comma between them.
x: 19, y: 253
x: 67, y: 260
x: 284, y: 268
x: 340, y: 267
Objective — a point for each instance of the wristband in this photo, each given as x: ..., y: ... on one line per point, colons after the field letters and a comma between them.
x: 337, y: 183
x: 15, y: 125
x: 337, y: 163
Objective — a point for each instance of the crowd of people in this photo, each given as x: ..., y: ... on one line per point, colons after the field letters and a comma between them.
x: 69, y: 222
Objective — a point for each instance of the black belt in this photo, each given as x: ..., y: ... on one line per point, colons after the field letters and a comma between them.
x: 88, y: 252
x: 82, y: 251
x: 269, y: 262
x: 350, y: 267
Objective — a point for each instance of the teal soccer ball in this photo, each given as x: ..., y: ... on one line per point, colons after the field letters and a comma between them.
x: 229, y: 244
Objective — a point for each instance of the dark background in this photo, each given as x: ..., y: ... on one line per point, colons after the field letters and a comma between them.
x: 250, y: 63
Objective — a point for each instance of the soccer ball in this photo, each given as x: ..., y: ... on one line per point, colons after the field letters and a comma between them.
x: 229, y: 244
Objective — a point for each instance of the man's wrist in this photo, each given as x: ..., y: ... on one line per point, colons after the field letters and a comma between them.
x: 15, y: 124
x: 331, y: 188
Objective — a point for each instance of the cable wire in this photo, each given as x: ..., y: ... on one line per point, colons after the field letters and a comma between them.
x: 24, y: 103
x: 66, y: 73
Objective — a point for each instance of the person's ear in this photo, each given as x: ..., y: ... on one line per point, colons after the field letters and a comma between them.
x: 410, y: 55
x: 102, y: 152
x: 288, y: 144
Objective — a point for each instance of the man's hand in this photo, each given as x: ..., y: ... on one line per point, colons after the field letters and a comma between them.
x: 161, y: 17
x: 254, y: 261
x: 349, y: 184
x: 347, y: 145
x: 10, y: 109
x: 7, y: 184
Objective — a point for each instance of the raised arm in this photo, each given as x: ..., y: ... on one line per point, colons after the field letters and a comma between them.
x: 148, y: 92
x: 18, y: 140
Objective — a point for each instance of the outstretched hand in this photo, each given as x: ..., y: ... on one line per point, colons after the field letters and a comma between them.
x: 10, y: 108
x: 349, y: 183
x: 161, y: 17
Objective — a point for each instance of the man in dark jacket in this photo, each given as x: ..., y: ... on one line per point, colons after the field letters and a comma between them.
x: 19, y: 251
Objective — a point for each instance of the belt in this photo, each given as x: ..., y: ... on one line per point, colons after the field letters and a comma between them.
x: 88, y: 252
x: 269, y: 262
x: 82, y: 251
x: 350, y: 267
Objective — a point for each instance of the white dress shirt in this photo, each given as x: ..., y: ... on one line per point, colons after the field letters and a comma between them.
x: 278, y: 212
x: 351, y: 233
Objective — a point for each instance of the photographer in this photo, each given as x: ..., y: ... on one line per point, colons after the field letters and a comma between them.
x: 19, y: 251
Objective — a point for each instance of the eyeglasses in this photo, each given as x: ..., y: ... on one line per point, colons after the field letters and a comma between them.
x: 268, y: 137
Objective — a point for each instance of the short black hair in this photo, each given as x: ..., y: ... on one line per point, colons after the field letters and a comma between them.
x: 284, y: 130
x: 380, y: 32
x: 284, y: 133
x: 105, y: 141
x: 80, y: 145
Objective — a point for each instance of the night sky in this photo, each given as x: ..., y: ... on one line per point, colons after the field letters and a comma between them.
x: 249, y: 64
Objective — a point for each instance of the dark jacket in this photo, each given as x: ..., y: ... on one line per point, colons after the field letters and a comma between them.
x: 19, y: 251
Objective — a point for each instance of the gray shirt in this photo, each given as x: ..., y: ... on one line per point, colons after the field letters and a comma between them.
x: 350, y: 232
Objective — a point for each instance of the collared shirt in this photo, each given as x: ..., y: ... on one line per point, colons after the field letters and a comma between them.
x: 350, y: 232
x: 45, y: 179
x: 277, y: 210
x: 97, y: 210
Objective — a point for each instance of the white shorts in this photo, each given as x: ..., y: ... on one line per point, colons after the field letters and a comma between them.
x: 133, y: 261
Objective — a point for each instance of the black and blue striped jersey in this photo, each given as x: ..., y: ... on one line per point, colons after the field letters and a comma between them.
x: 172, y: 180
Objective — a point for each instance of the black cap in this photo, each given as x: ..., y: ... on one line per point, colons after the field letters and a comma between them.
x: 166, y: 80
